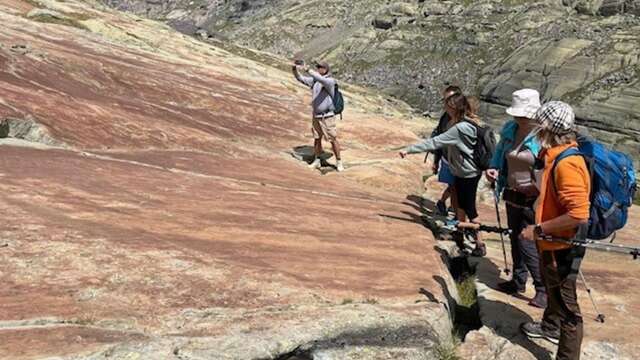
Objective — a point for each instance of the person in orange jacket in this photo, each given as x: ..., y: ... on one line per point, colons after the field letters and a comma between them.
x: 562, y: 208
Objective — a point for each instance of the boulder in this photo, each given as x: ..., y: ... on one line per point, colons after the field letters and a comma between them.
x: 384, y: 22
x: 435, y: 8
x: 604, y: 7
x: 392, y: 44
x: 402, y: 9
x: 480, y: 9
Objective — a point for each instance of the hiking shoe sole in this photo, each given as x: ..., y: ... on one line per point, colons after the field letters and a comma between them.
x: 539, y: 336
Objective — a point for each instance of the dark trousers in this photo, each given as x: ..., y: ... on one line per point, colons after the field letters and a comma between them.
x: 562, y: 310
x: 524, y: 253
x: 466, y: 190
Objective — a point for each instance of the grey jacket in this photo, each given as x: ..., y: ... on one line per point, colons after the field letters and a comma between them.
x: 322, y: 88
x: 459, y: 141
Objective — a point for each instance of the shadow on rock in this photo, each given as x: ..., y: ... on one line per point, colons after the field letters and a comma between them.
x: 411, y: 217
x: 414, y: 336
x: 503, y: 318
x: 306, y: 153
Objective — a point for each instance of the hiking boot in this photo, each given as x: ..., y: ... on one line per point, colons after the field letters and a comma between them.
x: 510, y: 287
x: 479, y: 251
x: 339, y: 166
x: 442, y: 208
x: 316, y: 164
x: 539, y: 301
x: 534, y: 329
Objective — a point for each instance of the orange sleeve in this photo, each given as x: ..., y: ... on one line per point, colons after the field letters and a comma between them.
x: 573, y: 187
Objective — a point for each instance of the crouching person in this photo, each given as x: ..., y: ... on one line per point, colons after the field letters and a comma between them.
x: 562, y: 209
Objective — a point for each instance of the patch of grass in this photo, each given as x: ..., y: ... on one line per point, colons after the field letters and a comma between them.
x: 371, y: 301
x: 467, y: 291
x: 347, y: 301
x: 448, y: 350
x: 66, y: 21
x: 85, y: 319
x: 636, y: 199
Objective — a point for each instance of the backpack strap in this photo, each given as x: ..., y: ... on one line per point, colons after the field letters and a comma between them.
x: 563, y: 155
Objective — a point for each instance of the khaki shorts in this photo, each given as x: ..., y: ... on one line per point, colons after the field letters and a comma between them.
x: 325, y: 128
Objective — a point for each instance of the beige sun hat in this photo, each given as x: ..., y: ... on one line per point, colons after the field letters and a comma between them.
x: 525, y: 103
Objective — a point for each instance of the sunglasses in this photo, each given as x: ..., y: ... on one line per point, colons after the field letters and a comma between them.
x: 447, y: 97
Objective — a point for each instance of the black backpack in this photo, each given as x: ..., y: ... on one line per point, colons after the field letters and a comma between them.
x: 485, y: 146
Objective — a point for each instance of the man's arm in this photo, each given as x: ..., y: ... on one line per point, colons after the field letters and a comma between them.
x: 306, y: 80
x: 328, y: 82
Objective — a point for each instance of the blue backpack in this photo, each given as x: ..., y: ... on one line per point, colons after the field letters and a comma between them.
x: 613, y: 186
x: 338, y: 101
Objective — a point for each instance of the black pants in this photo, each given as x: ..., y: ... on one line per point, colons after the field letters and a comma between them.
x: 524, y: 253
x: 466, y: 190
x: 562, y: 310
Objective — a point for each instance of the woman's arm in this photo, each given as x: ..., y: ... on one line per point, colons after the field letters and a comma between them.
x: 449, y: 137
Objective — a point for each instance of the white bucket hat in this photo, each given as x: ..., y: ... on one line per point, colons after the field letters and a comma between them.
x: 525, y: 103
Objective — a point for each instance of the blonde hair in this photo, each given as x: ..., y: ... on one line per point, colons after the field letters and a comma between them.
x: 549, y: 139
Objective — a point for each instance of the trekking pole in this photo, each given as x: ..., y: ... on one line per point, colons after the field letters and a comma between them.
x: 504, y: 251
x: 598, y: 245
x: 600, y: 316
x: 482, y: 227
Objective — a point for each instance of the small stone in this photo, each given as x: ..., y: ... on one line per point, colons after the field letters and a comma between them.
x: 384, y: 23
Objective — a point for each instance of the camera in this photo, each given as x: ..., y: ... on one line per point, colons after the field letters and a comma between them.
x: 299, y: 62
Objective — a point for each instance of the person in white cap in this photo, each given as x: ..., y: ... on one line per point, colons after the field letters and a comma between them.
x: 512, y: 170
x: 562, y: 209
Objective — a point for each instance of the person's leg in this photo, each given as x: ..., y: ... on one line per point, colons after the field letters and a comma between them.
x: 471, y: 190
x: 445, y: 176
x: 516, y: 224
x: 335, y: 145
x: 330, y: 132
x: 446, y: 194
x: 531, y: 257
x: 317, y: 137
x: 552, y: 317
x: 460, y: 213
x: 466, y: 189
x: 458, y: 236
x: 549, y: 327
x: 571, y: 326
x: 454, y: 197
x: 317, y: 143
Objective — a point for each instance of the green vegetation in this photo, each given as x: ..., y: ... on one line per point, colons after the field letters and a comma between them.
x: 467, y: 291
x: 636, y: 199
x: 60, y: 20
x: 448, y: 350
